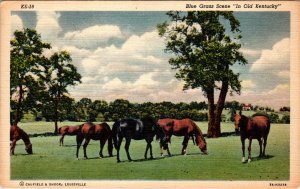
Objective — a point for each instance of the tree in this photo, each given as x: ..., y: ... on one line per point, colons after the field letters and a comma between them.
x: 83, y: 108
x: 203, y: 54
x: 57, y: 75
x: 25, y: 58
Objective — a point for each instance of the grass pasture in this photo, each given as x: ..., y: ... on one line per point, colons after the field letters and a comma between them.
x: 51, y: 161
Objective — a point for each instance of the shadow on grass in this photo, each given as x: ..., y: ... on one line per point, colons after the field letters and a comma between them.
x: 224, y: 134
x: 260, y: 158
x: 43, y: 134
x: 24, y: 154
x: 69, y: 145
x: 142, y: 160
x: 97, y: 157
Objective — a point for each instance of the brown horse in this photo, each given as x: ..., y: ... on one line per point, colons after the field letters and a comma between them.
x: 16, y: 134
x: 186, y: 128
x: 257, y: 127
x: 101, y: 132
x: 67, y: 130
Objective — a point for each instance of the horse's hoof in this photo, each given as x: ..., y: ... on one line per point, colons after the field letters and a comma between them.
x: 249, y: 160
x: 162, y: 155
x: 243, y: 160
x: 77, y: 158
x: 151, y: 158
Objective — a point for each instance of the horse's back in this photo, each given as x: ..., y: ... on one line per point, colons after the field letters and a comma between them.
x: 261, y: 125
x: 183, y: 126
x: 15, y: 132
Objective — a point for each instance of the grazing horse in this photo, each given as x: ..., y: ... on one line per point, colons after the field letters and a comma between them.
x: 186, y: 128
x: 16, y: 134
x: 67, y: 130
x: 257, y: 127
x: 145, y: 128
x: 101, y: 132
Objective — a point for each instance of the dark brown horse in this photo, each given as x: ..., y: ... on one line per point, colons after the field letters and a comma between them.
x: 186, y: 128
x: 257, y: 127
x: 67, y: 130
x: 137, y: 129
x: 16, y: 134
x: 101, y: 132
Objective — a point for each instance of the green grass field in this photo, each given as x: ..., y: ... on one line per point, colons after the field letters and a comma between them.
x: 51, y: 161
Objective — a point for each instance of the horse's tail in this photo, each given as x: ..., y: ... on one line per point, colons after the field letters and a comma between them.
x: 109, y: 139
x: 114, y: 134
x: 110, y: 145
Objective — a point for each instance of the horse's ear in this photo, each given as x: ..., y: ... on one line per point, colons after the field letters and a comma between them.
x: 240, y: 112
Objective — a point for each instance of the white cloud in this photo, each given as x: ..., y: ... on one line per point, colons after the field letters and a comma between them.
x: 146, y: 44
x: 276, y: 97
x: 247, y: 84
x: 274, y: 60
x: 16, y: 23
x: 93, y: 35
x: 250, y: 52
x: 280, y: 89
x: 48, y: 25
x: 285, y: 74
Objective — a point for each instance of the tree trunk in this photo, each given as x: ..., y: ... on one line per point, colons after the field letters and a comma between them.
x: 211, y: 132
x: 56, y: 104
x: 19, y: 105
x: 220, y: 107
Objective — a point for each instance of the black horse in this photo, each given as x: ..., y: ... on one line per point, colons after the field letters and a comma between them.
x: 137, y: 129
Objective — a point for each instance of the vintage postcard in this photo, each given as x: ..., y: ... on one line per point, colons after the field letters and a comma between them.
x: 150, y: 94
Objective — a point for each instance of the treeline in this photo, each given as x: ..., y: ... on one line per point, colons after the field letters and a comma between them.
x: 100, y: 110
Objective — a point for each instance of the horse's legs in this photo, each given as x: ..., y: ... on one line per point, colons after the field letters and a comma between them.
x: 127, y: 144
x: 149, y: 146
x: 86, y: 142
x: 184, y: 145
x: 265, y: 144
x: 102, y: 143
x: 161, y: 150
x: 243, y: 149
x: 119, y: 142
x: 260, y: 147
x: 249, y: 150
x: 12, y: 147
x: 79, y: 139
x: 61, y: 140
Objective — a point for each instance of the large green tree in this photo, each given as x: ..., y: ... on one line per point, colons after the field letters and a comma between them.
x: 25, y: 58
x: 203, y: 53
x: 57, y: 75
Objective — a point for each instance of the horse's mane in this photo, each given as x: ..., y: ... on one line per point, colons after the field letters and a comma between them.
x: 24, y: 137
x: 198, y: 132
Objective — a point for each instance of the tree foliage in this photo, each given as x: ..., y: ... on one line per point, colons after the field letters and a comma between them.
x: 203, y: 54
x: 25, y: 58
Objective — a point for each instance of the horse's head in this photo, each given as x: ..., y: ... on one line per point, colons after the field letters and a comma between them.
x: 28, y: 148
x: 237, y: 119
x: 240, y: 122
x: 161, y: 136
x: 200, y: 141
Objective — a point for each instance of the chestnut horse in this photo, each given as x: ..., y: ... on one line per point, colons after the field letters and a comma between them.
x: 101, y: 132
x: 137, y: 129
x: 67, y: 130
x: 257, y: 127
x: 16, y: 134
x: 186, y: 128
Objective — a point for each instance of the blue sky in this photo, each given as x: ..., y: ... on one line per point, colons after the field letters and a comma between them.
x: 120, y: 55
